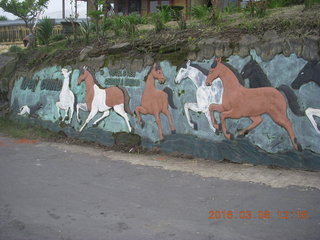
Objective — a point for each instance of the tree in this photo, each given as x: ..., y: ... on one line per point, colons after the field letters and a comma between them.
x: 27, y: 10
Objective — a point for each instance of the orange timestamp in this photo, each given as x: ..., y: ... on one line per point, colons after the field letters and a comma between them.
x: 261, y: 214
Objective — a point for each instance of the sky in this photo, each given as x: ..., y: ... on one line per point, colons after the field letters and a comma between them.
x: 54, y: 10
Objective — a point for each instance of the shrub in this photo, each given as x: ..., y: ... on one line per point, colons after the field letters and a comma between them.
x: 85, y: 30
x: 310, y: 3
x: 15, y: 49
x: 200, y: 12
x: 57, y: 37
x: 44, y: 30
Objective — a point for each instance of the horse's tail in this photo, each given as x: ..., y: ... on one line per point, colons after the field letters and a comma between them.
x: 292, y: 100
x: 126, y: 100
x: 169, y: 92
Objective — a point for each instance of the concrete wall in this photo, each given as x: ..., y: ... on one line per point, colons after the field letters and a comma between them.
x: 268, y: 143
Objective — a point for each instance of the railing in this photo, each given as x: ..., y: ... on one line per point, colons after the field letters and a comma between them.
x: 10, y: 34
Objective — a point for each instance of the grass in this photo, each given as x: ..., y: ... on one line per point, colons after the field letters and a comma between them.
x: 22, y: 130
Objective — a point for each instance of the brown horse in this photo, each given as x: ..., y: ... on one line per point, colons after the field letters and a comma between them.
x: 155, y: 101
x: 238, y: 102
x: 102, y: 99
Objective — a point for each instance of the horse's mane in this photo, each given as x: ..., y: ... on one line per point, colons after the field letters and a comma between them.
x: 235, y: 72
x: 201, y: 69
x: 91, y: 71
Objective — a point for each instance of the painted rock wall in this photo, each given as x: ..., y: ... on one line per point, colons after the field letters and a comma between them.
x: 40, y: 99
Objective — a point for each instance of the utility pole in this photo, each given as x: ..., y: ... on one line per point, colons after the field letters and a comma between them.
x: 63, y: 9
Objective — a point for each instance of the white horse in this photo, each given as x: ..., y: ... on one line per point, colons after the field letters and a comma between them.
x: 310, y: 112
x: 66, y: 97
x: 24, y: 110
x: 206, y: 95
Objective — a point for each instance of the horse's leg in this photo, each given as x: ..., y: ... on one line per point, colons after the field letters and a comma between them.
x: 223, y: 117
x: 83, y: 107
x: 157, y: 118
x: 139, y: 110
x: 281, y: 119
x: 120, y: 110
x: 207, y: 113
x: 167, y: 113
x: 212, y: 108
x: 58, y: 105
x: 194, y: 107
x: 104, y: 115
x: 93, y: 112
x: 310, y: 112
x: 255, y: 122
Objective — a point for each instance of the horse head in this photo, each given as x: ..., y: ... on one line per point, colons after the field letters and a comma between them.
x: 305, y: 75
x: 65, y: 72
x: 157, y: 73
x: 247, y: 69
x: 214, y: 71
x: 83, y: 75
x: 183, y: 73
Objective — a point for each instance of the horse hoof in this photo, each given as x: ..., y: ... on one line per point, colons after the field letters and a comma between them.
x: 173, y: 132
x: 240, y: 136
x: 220, y: 127
x: 231, y: 137
x: 142, y: 124
x: 94, y: 125
x: 162, y: 140
x: 60, y: 118
x: 299, y: 147
x: 217, y: 132
x: 195, y: 125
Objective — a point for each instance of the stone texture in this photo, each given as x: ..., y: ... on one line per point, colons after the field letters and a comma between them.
x: 136, y: 65
x: 118, y: 48
x: 96, y: 63
x: 246, y: 43
x: 310, y: 49
x: 84, y: 53
x: 292, y: 45
x: 148, y: 60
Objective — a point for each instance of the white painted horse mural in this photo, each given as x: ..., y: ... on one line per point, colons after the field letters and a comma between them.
x: 311, y: 112
x: 100, y: 99
x: 66, y: 97
x: 206, y: 95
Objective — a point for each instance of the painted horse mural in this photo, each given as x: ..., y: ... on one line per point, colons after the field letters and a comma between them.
x: 255, y: 74
x: 238, y: 102
x: 257, y: 78
x: 205, y: 94
x: 310, y: 72
x: 66, y: 97
x: 155, y: 101
x: 100, y: 99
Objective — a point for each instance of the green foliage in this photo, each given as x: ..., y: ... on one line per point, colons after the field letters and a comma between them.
x: 182, y: 22
x: 27, y: 10
x: 85, y: 30
x: 310, y: 3
x: 3, y: 18
x: 256, y: 9
x: 207, y: 15
x: 200, y: 12
x: 158, y: 23
x: 231, y: 8
x: 117, y: 25
x: 23, y: 130
x: 15, y: 49
x: 44, y: 31
x: 56, y: 38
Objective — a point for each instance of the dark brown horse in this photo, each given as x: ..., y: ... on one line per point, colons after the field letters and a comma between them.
x: 238, y: 102
x: 102, y: 100
x: 155, y: 101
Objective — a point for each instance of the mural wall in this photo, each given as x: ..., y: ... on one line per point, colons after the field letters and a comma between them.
x: 260, y: 112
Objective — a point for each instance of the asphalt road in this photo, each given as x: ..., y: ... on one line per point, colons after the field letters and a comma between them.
x: 49, y: 191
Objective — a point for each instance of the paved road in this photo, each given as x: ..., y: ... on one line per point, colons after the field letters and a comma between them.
x: 48, y: 191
